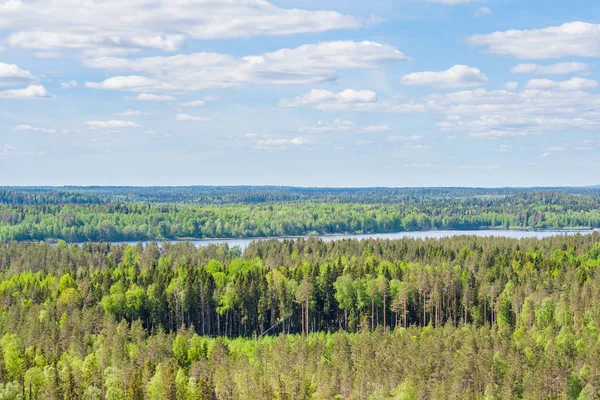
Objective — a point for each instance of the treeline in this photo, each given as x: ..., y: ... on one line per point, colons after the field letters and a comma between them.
x: 219, y: 195
x: 141, y: 221
x: 462, y: 317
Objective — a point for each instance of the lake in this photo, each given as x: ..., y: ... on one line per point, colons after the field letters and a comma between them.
x: 515, y: 234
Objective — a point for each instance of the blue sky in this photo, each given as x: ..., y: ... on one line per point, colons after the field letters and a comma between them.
x: 303, y: 93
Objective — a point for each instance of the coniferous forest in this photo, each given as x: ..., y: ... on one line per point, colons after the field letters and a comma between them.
x: 456, y: 318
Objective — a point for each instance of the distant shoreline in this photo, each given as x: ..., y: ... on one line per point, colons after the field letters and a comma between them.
x: 359, y: 236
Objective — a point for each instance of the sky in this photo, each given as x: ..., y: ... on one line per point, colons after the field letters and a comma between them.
x: 300, y: 93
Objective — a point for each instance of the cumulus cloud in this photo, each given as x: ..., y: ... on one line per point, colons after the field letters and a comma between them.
x: 279, y: 143
x: 578, y: 39
x: 113, y: 26
x: 550, y: 150
x: 8, y: 150
x: 481, y: 11
x: 404, y: 139
x: 459, y: 76
x: 350, y: 100
x: 152, y: 97
x: 505, y: 114
x: 194, y: 103
x: 571, y: 84
x: 317, y: 97
x: 33, y: 129
x: 69, y: 84
x: 479, y: 113
x: 30, y: 92
x: 131, y: 113
x: 112, y: 124
x: 186, y: 117
x: 498, y: 134
x: 553, y: 69
x: 341, y: 126
x: 131, y: 82
x: 11, y: 75
x: 419, y: 165
x: 311, y: 63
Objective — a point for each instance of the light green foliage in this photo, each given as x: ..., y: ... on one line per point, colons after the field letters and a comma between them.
x: 12, y: 353
x: 405, y: 391
x: 180, y: 350
x: 466, y: 317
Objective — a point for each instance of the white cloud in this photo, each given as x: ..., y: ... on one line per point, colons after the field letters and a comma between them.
x: 459, y: 76
x: 297, y: 141
x: 47, y: 54
x: 553, y: 69
x: 131, y: 82
x: 343, y: 127
x: 511, y: 86
x: 472, y: 166
x: 572, y: 84
x: 112, y: 124
x: 186, y: 117
x: 350, y: 100
x: 578, y: 146
x: 550, y: 150
x: 33, y: 129
x: 113, y: 26
x: 506, y: 114
x: 315, y: 97
x: 278, y: 143
x: 479, y: 113
x: 69, y: 84
x: 194, y: 103
x: 404, y: 139
x: 8, y: 150
x: 11, y: 75
x: 579, y: 39
x: 152, y: 97
x: 497, y: 134
x: 306, y: 64
x: 481, y: 11
x: 417, y: 165
x: 131, y: 113
x: 30, y: 92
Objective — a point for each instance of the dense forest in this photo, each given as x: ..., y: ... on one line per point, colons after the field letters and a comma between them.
x: 32, y: 195
x: 462, y: 318
x: 132, y: 214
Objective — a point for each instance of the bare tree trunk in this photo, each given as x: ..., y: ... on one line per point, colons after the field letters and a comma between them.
x: 303, y: 324
x: 384, y: 324
x: 372, y: 314
x: 307, y: 319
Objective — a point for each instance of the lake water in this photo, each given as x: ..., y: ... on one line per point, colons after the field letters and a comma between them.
x: 515, y: 234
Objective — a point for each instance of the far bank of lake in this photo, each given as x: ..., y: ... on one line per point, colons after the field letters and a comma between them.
x: 508, y: 233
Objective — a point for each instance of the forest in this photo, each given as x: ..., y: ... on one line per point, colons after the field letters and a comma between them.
x: 456, y: 318
x: 79, y: 215
x: 296, y: 317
